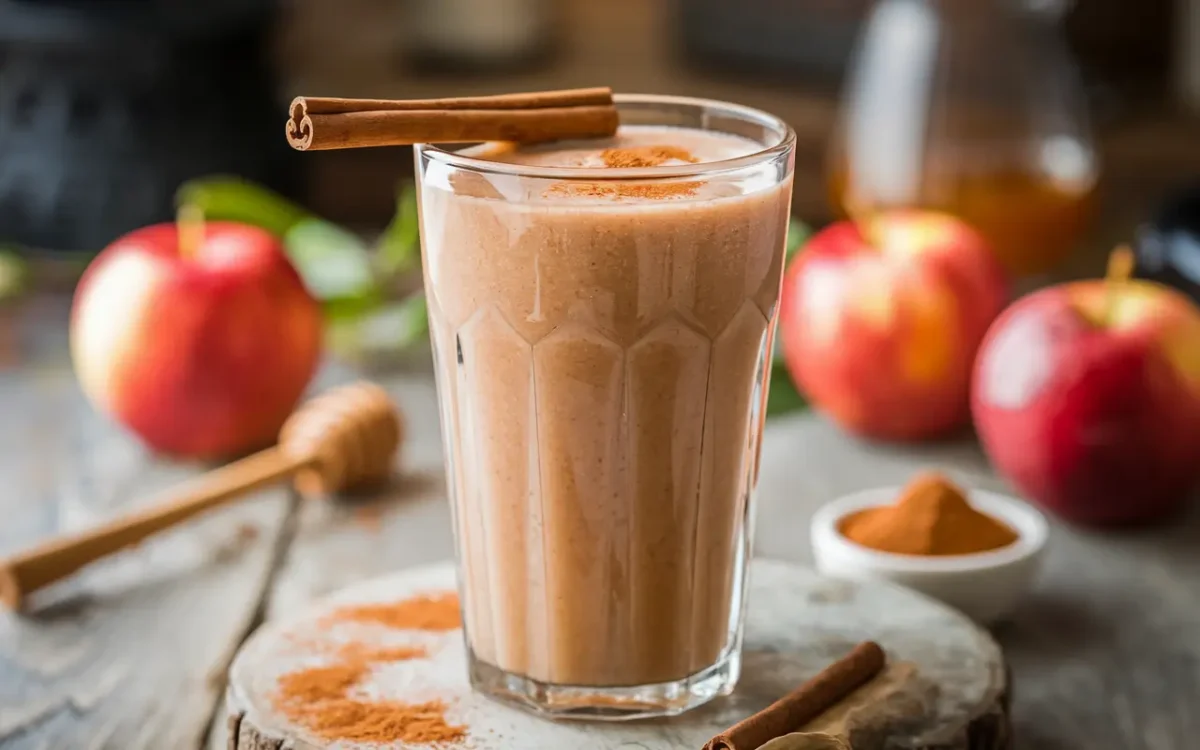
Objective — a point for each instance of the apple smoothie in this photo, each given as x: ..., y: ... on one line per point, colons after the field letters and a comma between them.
x: 602, y: 316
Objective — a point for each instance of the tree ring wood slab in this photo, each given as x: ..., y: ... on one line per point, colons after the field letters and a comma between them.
x: 797, y: 623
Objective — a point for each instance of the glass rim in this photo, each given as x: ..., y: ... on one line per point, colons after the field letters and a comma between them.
x: 786, y: 142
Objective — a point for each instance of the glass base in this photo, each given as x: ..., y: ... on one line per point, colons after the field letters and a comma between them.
x: 607, y: 703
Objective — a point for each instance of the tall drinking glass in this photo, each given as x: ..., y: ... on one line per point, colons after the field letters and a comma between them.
x: 602, y: 317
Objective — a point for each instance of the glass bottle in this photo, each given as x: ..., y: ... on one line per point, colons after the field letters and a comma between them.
x: 972, y: 107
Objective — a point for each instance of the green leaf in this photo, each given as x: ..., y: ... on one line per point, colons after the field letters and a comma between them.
x: 14, y: 274
x: 392, y: 327
x: 783, y: 396
x: 226, y: 198
x: 334, y: 263
x: 798, y: 234
x: 408, y: 319
x: 399, y: 248
x: 352, y: 308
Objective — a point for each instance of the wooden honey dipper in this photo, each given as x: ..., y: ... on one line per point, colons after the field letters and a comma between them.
x: 343, y: 439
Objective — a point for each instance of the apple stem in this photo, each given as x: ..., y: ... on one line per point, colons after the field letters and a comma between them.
x: 1120, y: 268
x: 190, y: 223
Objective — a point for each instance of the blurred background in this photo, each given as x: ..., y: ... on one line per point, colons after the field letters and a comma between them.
x: 1058, y: 128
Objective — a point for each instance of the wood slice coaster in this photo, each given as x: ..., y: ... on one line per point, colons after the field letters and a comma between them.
x: 797, y: 623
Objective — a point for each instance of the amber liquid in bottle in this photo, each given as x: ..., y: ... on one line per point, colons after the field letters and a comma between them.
x: 1032, y: 221
x: 974, y: 109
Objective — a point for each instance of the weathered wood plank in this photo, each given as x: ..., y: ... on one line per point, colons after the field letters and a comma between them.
x: 342, y: 542
x: 131, y: 653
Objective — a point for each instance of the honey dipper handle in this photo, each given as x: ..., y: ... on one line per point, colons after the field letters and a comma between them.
x: 57, y: 558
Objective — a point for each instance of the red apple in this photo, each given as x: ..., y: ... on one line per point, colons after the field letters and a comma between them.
x: 881, y: 322
x: 1087, y: 396
x: 202, y: 353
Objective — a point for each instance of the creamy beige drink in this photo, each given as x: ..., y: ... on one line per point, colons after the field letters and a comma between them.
x: 601, y: 348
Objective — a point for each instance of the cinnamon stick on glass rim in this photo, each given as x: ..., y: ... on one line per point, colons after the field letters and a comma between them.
x: 316, y: 124
x: 806, y: 702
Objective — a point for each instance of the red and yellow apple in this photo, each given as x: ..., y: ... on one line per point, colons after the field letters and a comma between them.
x: 881, y: 321
x: 203, y: 351
x: 1087, y: 397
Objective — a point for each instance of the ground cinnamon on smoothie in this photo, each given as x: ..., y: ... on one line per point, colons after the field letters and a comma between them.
x: 623, y: 189
x: 632, y: 157
x: 645, y: 156
x: 323, y: 699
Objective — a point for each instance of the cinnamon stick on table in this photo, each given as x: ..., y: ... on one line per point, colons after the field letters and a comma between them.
x: 806, y: 702
x: 316, y: 124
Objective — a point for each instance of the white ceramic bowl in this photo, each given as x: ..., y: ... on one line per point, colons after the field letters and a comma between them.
x: 985, y: 586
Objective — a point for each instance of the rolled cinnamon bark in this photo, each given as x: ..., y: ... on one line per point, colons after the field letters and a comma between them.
x: 806, y: 702
x: 316, y: 124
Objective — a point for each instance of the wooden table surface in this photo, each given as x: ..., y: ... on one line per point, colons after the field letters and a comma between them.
x: 132, y: 655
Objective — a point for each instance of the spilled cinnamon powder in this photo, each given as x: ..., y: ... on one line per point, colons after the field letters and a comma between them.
x: 385, y: 721
x: 315, y: 685
x: 327, y: 700
x: 322, y: 700
x: 362, y: 652
x: 438, y: 612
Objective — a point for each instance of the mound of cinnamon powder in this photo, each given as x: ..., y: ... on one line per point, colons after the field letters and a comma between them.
x: 931, y: 517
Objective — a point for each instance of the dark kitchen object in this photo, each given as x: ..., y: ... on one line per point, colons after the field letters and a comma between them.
x: 1124, y: 48
x: 107, y: 106
x: 1167, y: 249
x: 480, y: 37
x: 789, y: 39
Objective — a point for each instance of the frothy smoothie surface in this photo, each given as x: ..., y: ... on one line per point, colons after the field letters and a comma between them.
x: 600, y: 349
x: 633, y: 146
